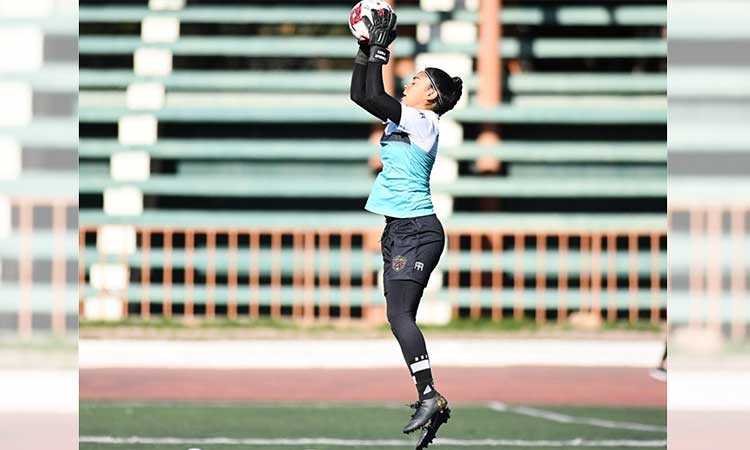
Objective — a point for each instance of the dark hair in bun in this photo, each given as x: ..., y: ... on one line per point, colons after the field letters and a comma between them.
x: 448, y: 89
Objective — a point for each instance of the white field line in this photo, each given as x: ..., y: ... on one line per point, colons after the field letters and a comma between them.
x: 564, y: 418
x: 577, y: 442
x: 364, y: 353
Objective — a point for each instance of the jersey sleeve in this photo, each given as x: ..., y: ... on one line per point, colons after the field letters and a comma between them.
x: 416, y: 122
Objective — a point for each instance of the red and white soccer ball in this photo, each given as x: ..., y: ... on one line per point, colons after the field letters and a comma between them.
x: 362, y: 9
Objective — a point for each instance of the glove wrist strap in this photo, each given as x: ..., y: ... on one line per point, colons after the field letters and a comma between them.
x: 379, y: 54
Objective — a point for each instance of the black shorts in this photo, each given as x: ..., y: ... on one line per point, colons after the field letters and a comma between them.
x: 411, y: 248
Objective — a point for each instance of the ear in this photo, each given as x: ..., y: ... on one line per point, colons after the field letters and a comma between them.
x: 431, y: 94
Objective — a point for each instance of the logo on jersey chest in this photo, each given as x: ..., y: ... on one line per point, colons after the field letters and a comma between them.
x: 399, y: 262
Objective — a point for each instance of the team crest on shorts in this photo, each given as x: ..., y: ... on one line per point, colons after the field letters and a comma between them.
x: 399, y: 262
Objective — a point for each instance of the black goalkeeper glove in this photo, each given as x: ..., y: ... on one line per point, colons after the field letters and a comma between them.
x: 382, y: 31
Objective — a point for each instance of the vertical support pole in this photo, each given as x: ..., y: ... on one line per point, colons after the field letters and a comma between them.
x: 325, y: 287
x: 584, y: 273
x: 497, y: 276
x: 189, y: 274
x: 346, y: 275
x: 298, y: 267
x: 211, y: 275
x: 633, y: 276
x: 562, y: 283
x: 541, y: 277
x: 611, y: 277
x: 276, y: 274
x: 519, y: 274
x: 145, y: 273
x: 254, y: 291
x: 167, y: 308
x: 59, y: 228
x: 366, y: 271
x: 714, y: 272
x: 738, y: 283
x: 489, y: 65
x: 26, y: 274
x: 233, y: 239
x: 696, y: 275
x: 81, y: 272
x: 309, y: 276
x: 476, y: 274
x: 656, y: 275
x: 454, y: 244
x: 596, y: 274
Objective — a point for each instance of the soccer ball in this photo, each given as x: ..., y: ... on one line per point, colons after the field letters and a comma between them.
x: 362, y: 9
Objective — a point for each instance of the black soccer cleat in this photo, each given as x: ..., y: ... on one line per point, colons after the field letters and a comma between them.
x: 425, y: 410
x: 430, y: 430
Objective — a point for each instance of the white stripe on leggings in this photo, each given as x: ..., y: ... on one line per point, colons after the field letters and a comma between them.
x: 420, y: 365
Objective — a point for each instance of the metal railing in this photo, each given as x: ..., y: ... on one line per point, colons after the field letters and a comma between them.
x: 712, y: 291
x: 287, y: 272
x: 26, y: 279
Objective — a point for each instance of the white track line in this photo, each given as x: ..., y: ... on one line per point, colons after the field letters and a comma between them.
x: 363, y: 353
x: 564, y: 418
x: 578, y: 442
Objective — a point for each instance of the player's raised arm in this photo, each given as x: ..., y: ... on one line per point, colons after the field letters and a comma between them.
x: 382, y: 31
x: 357, y: 90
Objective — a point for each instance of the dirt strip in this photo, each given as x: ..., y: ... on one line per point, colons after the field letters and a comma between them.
x: 521, y: 384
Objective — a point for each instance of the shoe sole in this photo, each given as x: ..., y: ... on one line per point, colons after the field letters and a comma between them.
x: 430, y: 430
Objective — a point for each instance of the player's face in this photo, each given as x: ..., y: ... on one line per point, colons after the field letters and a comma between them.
x: 418, y: 92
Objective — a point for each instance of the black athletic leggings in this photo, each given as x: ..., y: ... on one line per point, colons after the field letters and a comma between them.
x: 402, y: 301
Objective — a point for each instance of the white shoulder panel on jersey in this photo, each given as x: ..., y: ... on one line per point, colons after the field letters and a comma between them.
x: 421, y: 125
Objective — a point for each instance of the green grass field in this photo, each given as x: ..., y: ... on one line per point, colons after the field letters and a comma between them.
x: 151, y: 426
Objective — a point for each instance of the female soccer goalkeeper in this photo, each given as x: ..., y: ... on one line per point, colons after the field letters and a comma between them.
x: 413, y: 238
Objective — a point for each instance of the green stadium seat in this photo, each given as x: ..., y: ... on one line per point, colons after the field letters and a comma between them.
x: 55, y: 78
x: 47, y: 184
x: 683, y: 308
x: 45, y: 133
x: 42, y: 245
x: 60, y: 25
x: 42, y: 298
x: 407, y: 15
x: 286, y: 170
x: 338, y: 81
x: 360, y: 149
x: 255, y: 46
x: 573, y: 82
x: 349, y: 113
x: 343, y: 47
x: 314, y: 186
x: 566, y: 48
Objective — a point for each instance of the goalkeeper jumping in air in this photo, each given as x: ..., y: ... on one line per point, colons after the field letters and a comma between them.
x: 413, y: 238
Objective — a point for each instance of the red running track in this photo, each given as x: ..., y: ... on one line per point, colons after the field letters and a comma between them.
x: 523, y: 384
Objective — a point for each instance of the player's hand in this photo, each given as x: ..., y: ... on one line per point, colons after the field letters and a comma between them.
x: 382, y: 31
x: 363, y: 54
x: 382, y: 27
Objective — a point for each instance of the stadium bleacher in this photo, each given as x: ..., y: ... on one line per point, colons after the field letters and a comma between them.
x: 226, y: 114
x: 708, y: 160
x: 38, y: 163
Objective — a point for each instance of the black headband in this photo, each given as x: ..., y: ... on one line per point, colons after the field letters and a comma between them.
x: 434, y: 86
